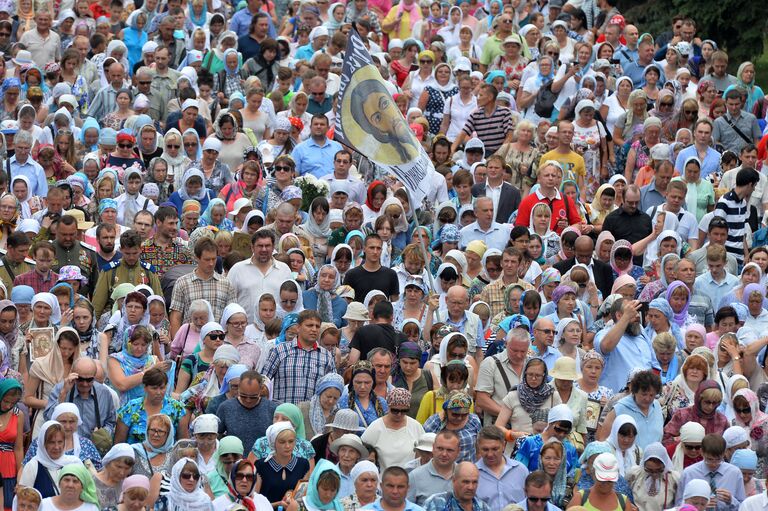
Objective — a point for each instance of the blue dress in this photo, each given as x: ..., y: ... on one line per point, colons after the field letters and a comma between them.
x: 134, y: 40
x: 368, y: 414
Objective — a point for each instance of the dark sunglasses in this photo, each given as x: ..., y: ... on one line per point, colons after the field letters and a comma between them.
x: 280, y: 168
x: 425, y: 61
x: 125, y: 146
x: 190, y: 144
x: 217, y: 337
x: 563, y: 431
x: 173, y: 146
x: 243, y: 477
x: 547, y: 331
x: 190, y: 475
x: 145, y: 82
x: 692, y: 447
x: 689, y: 112
x: 664, y: 103
x: 399, y: 411
x: 83, y: 379
x: 539, y: 499
x: 742, y: 410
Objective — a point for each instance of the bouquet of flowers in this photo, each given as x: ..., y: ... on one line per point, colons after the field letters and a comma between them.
x: 311, y: 188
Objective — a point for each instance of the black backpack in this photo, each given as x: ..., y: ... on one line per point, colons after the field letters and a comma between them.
x: 545, y: 101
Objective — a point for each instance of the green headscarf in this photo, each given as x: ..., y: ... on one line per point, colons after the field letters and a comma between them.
x: 313, y: 498
x: 6, y: 385
x: 507, y: 301
x: 89, y: 487
x: 297, y: 418
x: 120, y: 291
x: 227, y: 445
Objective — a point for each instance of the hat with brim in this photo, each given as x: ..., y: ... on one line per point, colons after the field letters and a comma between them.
x: 606, y: 467
x: 349, y: 440
x: 23, y: 58
x: 346, y: 420
x: 356, y: 311
x: 241, y: 205
x: 564, y: 369
x: 426, y: 442
x: 78, y: 215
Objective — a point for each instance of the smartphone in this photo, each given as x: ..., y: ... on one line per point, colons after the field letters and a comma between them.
x: 615, y: 61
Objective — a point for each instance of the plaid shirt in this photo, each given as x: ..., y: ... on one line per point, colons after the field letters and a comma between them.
x: 467, y: 434
x: 163, y: 258
x: 493, y: 294
x: 447, y: 502
x: 217, y: 290
x: 40, y: 283
x: 294, y: 370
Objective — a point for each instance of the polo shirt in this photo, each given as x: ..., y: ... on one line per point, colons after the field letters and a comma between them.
x: 313, y: 158
x: 315, y: 108
x: 497, y: 235
x: 735, y: 211
x: 409, y: 506
x: 561, y: 206
x: 425, y: 481
x: 728, y: 137
x: 706, y: 285
x: 650, y: 196
x: 43, y: 49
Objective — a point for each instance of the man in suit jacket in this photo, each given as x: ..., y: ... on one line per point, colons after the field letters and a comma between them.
x: 506, y: 198
x: 602, y: 274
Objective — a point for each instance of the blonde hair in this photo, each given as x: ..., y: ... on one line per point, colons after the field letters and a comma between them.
x: 664, y: 341
x: 524, y: 124
x: 712, y: 395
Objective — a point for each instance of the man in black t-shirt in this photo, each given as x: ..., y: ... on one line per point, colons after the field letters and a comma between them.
x: 371, y: 274
x: 379, y: 334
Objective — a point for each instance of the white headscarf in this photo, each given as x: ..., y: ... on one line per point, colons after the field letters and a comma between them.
x: 60, y: 410
x: 280, y: 312
x: 626, y: 458
x: 181, y: 499
x: 118, y: 451
x: 50, y: 300
x: 42, y: 456
x: 26, y: 212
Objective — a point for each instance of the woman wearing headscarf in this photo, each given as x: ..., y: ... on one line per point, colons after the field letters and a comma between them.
x: 322, y: 297
x: 745, y: 80
x: 602, y: 205
x: 553, y: 461
x: 42, y: 471
x: 681, y: 391
x: 48, y: 370
x: 687, y: 450
x: 68, y: 415
x: 367, y: 405
x: 191, y: 188
x: 134, y: 36
x: 186, y: 490
x: 10, y: 210
x: 623, y: 442
x: 291, y: 414
x: 240, y: 486
x: 322, y: 407
x: 229, y: 451
x: 11, y: 437
x: 654, y: 481
x: 78, y: 490
x: 126, y: 367
x: 151, y: 454
x: 703, y: 410
x: 322, y: 489
x: 408, y: 375
x: 526, y: 98
x: 281, y: 470
x: 228, y: 80
x: 749, y: 416
x: 21, y: 187
x: 524, y: 409
x: 117, y: 465
x: 175, y: 158
x: 365, y: 477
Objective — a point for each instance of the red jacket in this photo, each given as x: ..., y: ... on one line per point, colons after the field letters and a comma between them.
x: 560, y: 209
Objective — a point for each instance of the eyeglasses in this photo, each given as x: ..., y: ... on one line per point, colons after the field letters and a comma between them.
x: 539, y: 499
x: 173, y: 146
x: 553, y: 54
x: 5, y: 34
x: 190, y: 144
x: 83, y: 379
x: 425, y: 61
x: 742, y: 410
x: 243, y: 477
x: 157, y: 432
x: 457, y: 355
x: 692, y: 447
x: 341, y: 161
x: 238, y: 324
x: 217, y: 337
x: 125, y: 146
x: 288, y: 302
x: 562, y: 431
x: 145, y: 82
x: 190, y: 475
x: 399, y: 411
x: 505, y: 20
x: 689, y: 112
x: 280, y: 168
x: 710, y: 403
x: 664, y: 103
x: 211, y: 151
x: 546, y: 331
x: 246, y: 397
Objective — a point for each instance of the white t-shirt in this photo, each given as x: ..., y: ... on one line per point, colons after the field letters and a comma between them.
x: 459, y: 112
x: 687, y: 227
x: 224, y: 502
x: 47, y: 505
x: 615, y: 110
x: 394, y: 446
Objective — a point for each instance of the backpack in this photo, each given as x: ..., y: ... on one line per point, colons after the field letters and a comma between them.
x: 545, y: 101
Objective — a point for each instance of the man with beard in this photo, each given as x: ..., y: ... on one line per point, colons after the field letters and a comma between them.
x: 129, y: 269
x: 624, y: 343
x: 106, y: 235
x: 72, y: 252
x: 628, y: 222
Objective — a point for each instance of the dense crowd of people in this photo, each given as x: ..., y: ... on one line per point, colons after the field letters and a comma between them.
x: 208, y: 303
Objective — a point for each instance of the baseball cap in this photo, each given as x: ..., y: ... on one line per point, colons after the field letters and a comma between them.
x: 606, y: 467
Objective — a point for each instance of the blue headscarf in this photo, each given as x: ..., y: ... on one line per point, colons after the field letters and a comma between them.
x: 235, y: 371
x: 9, y: 83
x: 490, y: 16
x: 199, y: 153
x: 231, y: 72
x: 495, y: 74
x: 541, y: 79
x: 90, y: 123
x: 203, y: 19
x: 208, y: 211
x: 313, y: 498
x: 288, y: 321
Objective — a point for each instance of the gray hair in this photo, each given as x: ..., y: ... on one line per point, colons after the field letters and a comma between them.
x: 200, y: 305
x: 518, y: 335
x: 24, y: 136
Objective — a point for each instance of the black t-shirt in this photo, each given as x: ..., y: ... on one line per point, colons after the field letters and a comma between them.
x: 364, y: 281
x: 373, y: 336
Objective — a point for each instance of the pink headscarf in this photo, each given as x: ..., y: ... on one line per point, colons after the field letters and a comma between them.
x: 621, y: 281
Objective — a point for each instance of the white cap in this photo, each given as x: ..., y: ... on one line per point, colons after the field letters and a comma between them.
x: 68, y: 99
x: 462, y: 64
x: 149, y: 47
x: 426, y: 442
x: 318, y: 32
x: 212, y: 143
x: 606, y: 467
x: 560, y: 413
x: 560, y: 23
x: 239, y: 204
x: 697, y: 488
x: 206, y: 423
x: 395, y: 43
x: 190, y: 103
x: 734, y: 436
x: 660, y: 152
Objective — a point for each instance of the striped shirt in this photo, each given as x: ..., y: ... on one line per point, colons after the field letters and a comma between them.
x: 735, y: 211
x: 491, y: 130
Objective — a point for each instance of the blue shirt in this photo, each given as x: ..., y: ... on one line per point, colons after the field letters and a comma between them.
x: 315, y: 159
x: 34, y: 171
x: 447, y: 502
x: 710, y: 164
x: 530, y: 449
x: 550, y: 507
x: 650, y: 197
x: 625, y: 56
x: 496, y: 236
x: 305, y: 52
x: 727, y: 477
x: 650, y: 426
x: 706, y: 285
x: 635, y: 70
x: 631, y: 352
x: 497, y: 492
x: 549, y: 357
x: 241, y: 23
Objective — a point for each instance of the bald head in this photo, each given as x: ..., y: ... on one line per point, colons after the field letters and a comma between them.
x: 85, y: 367
x: 584, y: 247
x: 465, y: 480
x: 457, y: 300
